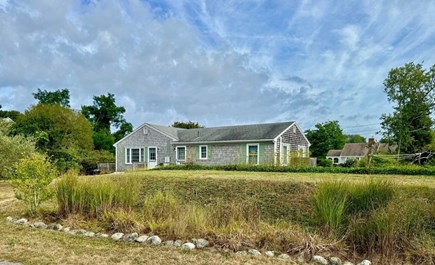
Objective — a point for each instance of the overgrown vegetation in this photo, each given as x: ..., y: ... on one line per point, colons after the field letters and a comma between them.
x: 374, y: 216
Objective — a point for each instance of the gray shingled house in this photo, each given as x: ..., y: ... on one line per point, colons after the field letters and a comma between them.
x: 150, y: 145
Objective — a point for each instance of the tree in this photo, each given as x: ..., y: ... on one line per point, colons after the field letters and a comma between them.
x: 412, y: 91
x: 57, y: 128
x: 58, y: 97
x: 11, y: 114
x: 31, y: 178
x: 186, y: 125
x: 325, y: 137
x: 12, y: 148
x: 104, y: 113
x: 355, y: 138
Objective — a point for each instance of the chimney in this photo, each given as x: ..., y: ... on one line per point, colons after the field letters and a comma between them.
x: 371, y: 142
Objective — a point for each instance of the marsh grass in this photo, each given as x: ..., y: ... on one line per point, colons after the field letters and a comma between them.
x: 92, y: 197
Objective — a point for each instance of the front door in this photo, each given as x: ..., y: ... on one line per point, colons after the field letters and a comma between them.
x: 152, y: 157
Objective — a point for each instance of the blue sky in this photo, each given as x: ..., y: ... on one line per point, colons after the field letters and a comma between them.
x: 216, y: 62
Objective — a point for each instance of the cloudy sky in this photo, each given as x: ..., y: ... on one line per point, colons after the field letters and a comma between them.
x: 216, y: 62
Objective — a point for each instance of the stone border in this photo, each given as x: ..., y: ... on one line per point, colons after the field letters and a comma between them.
x: 155, y: 240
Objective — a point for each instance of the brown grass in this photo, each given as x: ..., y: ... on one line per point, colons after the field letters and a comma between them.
x: 34, y: 246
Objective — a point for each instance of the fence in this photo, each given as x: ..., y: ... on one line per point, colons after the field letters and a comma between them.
x: 106, y: 168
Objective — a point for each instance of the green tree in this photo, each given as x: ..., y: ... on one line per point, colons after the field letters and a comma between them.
x: 59, y: 97
x: 11, y: 114
x: 186, y: 125
x: 103, y: 140
x: 12, y: 148
x: 104, y: 113
x: 355, y: 138
x: 31, y: 178
x: 325, y: 137
x: 63, y: 128
x: 411, y: 89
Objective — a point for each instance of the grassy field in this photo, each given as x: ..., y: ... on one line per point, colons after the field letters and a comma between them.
x: 283, y: 199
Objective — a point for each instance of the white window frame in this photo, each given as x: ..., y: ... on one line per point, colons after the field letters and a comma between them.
x: 128, y: 154
x: 258, y: 152
x: 283, y: 156
x: 176, y: 153
x: 148, y: 153
x: 206, y: 152
x: 302, y: 148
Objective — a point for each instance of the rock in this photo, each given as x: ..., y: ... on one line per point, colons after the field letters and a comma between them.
x: 89, y: 234
x: 365, y: 262
x: 41, y: 225
x: 201, y: 243
x: 269, y: 253
x: 117, y: 236
x: 131, y: 236
x: 243, y: 252
x: 168, y: 243
x: 284, y: 256
x: 66, y: 229
x: 320, y: 260
x: 178, y: 243
x: 335, y: 261
x: 102, y: 235
x: 154, y: 240
x: 10, y: 219
x: 54, y: 226
x: 300, y: 258
x: 348, y: 263
x: 141, y: 239
x: 5, y: 262
x: 81, y: 231
x: 72, y: 232
x: 21, y: 221
x: 254, y: 252
x: 188, y: 246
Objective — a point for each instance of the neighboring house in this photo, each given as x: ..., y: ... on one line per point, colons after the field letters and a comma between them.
x: 151, y: 145
x: 357, y: 151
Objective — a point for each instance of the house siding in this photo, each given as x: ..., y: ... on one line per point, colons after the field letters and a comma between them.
x: 228, y: 154
x: 138, y: 139
x: 295, y: 139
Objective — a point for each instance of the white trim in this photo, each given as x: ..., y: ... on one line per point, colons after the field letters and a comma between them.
x: 148, y: 153
x: 116, y: 159
x: 176, y: 153
x: 141, y: 154
x: 139, y: 128
x: 294, y: 124
x: 258, y: 152
x: 282, y: 155
x: 302, y: 148
x: 225, y: 141
x: 206, y: 152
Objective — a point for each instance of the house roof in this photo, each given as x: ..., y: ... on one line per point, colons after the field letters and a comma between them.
x: 355, y: 149
x: 334, y: 153
x: 252, y: 132
x: 267, y: 131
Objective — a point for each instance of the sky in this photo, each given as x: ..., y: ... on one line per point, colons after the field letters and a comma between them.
x: 216, y: 62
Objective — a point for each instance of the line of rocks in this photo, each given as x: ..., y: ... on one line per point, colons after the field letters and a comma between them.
x: 186, y: 246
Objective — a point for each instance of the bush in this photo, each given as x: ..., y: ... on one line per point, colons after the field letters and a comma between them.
x: 31, y: 178
x: 324, y: 162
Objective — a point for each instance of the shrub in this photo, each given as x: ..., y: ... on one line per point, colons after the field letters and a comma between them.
x: 31, y: 178
x: 324, y: 162
x: 371, y: 195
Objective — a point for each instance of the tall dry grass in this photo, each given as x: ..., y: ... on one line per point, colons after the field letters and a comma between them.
x: 94, y: 196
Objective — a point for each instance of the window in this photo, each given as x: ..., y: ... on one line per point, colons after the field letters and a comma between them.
x: 252, y: 154
x: 134, y: 155
x: 181, y: 153
x: 152, y: 154
x: 335, y: 160
x: 302, y: 151
x: 203, y: 150
x: 285, y: 154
